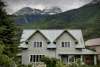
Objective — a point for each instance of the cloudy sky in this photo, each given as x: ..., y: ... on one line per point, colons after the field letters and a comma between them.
x: 14, y: 5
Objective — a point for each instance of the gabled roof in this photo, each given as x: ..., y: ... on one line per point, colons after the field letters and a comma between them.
x: 53, y: 34
x: 68, y: 34
x: 37, y: 31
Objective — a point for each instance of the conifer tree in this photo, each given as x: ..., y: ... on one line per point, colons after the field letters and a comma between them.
x: 8, y: 33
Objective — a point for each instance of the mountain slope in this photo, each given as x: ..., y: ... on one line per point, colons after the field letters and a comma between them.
x: 25, y: 10
x: 28, y: 15
x: 86, y: 18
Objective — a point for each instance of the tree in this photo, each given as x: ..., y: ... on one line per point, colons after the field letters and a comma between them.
x: 8, y: 33
x: 5, y: 61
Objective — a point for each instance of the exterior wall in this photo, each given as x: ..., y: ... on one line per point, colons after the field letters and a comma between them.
x: 43, y: 50
x: 65, y: 38
x: 36, y: 51
x: 25, y: 57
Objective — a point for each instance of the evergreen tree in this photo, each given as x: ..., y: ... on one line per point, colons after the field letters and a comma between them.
x: 5, y: 61
x: 8, y: 33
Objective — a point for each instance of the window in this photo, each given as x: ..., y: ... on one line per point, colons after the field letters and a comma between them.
x: 37, y: 44
x: 35, y: 58
x: 65, y: 44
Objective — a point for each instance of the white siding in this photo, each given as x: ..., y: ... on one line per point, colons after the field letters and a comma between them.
x: 65, y: 38
x: 38, y: 50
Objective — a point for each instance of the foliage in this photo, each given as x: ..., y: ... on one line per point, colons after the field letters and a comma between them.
x: 4, y: 59
x: 50, y: 62
x: 79, y: 63
x: 8, y: 37
x: 60, y: 64
x: 22, y: 65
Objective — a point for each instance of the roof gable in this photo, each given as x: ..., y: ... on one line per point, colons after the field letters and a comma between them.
x: 37, y: 31
x: 52, y: 34
x: 65, y: 31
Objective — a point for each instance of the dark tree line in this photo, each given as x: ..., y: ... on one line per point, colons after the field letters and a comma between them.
x: 8, y: 38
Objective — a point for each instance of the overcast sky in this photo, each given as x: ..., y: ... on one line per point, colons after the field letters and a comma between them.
x: 14, y: 5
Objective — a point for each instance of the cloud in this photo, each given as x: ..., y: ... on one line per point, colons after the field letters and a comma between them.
x: 14, y: 5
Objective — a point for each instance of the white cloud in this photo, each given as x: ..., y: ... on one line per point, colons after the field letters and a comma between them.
x: 14, y: 5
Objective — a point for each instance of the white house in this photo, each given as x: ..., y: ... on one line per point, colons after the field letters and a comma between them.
x: 66, y: 45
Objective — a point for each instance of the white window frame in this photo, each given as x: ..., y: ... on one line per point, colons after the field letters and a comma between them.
x: 35, y: 57
x: 38, y: 44
x: 66, y: 44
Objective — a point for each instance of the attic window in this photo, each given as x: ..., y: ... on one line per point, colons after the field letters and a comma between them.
x: 48, y: 42
x: 37, y: 44
x: 76, y: 42
x: 26, y: 42
x: 54, y: 42
x: 65, y: 44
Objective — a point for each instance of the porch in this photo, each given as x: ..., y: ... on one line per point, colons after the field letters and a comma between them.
x: 87, y: 59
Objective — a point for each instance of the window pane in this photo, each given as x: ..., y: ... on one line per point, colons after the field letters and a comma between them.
x: 34, y: 44
x: 62, y: 44
x: 36, y: 58
x: 68, y: 44
x: 40, y: 44
x: 31, y: 58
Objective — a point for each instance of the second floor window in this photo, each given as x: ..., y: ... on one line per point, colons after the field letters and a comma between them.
x: 65, y: 44
x: 37, y: 44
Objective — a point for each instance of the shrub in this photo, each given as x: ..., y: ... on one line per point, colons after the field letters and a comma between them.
x: 60, y: 64
x: 22, y: 65
x: 50, y: 62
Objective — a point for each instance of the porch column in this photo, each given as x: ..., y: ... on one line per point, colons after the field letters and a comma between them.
x: 81, y: 58
x: 74, y: 59
x: 95, y: 59
x: 68, y: 59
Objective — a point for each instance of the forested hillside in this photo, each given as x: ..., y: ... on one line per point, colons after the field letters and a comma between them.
x: 86, y: 18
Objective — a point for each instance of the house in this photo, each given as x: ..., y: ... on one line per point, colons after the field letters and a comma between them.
x: 94, y: 44
x: 66, y: 45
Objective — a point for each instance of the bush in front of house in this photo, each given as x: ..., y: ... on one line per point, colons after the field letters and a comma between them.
x: 53, y: 62
x: 79, y: 63
x: 60, y: 64
x: 22, y: 65
x: 50, y: 62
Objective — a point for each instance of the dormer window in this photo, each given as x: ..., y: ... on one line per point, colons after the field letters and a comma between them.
x: 26, y: 42
x: 37, y: 44
x: 65, y: 44
x: 54, y: 42
x: 48, y: 42
x: 76, y: 42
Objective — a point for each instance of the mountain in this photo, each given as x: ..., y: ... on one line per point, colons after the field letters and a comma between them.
x: 95, y: 1
x: 51, y: 11
x: 86, y: 18
x: 27, y: 11
x: 28, y: 15
x: 30, y: 11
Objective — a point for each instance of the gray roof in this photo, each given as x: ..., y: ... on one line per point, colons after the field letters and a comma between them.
x: 51, y: 45
x: 52, y: 34
x: 78, y: 52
